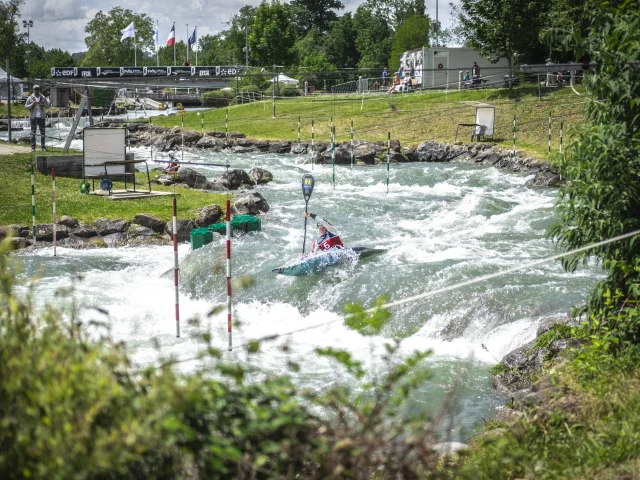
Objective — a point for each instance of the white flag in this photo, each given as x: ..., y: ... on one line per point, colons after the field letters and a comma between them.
x: 130, y: 31
x: 155, y: 36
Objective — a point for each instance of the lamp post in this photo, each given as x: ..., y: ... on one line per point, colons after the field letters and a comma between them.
x: 28, y: 24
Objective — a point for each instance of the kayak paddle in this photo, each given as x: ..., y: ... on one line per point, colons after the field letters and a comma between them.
x: 307, y: 188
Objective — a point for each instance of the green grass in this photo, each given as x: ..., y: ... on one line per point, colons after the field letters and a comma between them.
x: 411, y: 118
x: 15, y: 197
x: 17, y: 110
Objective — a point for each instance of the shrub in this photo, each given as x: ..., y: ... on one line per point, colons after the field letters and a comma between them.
x: 217, y: 98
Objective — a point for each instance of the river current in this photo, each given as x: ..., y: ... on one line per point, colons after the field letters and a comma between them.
x: 441, y: 224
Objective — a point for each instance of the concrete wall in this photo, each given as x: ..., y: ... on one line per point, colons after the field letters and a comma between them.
x: 71, y: 166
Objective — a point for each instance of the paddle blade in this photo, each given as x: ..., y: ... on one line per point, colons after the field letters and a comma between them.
x: 308, y: 183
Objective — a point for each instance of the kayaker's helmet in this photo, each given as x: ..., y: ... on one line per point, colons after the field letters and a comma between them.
x: 321, y: 225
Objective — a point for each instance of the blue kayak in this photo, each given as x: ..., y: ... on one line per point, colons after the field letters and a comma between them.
x: 314, y: 264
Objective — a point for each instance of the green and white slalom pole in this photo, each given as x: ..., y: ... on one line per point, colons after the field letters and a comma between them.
x: 333, y: 155
x: 298, y: 133
x: 312, y: 144
x: 226, y: 124
x: 202, y: 123
x: 549, y: 143
x: 514, y: 135
x: 351, y: 143
x: 33, y: 202
x: 561, y: 135
x: 388, y: 157
x: 53, y: 187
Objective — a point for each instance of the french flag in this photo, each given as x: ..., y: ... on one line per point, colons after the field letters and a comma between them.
x: 172, y: 36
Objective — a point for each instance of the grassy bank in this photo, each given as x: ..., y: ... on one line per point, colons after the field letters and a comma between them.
x: 411, y: 118
x: 17, y: 110
x: 15, y: 197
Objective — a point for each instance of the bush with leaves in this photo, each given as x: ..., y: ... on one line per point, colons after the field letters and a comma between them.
x: 74, y: 406
x: 217, y: 98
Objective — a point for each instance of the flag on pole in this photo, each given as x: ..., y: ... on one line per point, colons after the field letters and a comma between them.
x: 155, y: 37
x: 172, y: 37
x: 129, y: 32
x: 192, y: 39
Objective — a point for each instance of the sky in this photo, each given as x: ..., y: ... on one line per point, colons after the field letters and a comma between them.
x: 60, y: 23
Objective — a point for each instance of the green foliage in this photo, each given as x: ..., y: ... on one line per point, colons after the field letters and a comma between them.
x: 273, y: 35
x: 340, y: 44
x: 104, y: 33
x: 601, y: 199
x: 374, y: 38
x: 368, y: 321
x: 557, y: 332
x: 13, y: 41
x: 43, y: 60
x: 412, y: 33
x: 288, y: 91
x: 318, y: 14
x: 165, y: 54
x: 498, y: 369
x: 217, y: 98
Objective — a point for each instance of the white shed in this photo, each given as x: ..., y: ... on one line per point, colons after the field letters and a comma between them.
x: 282, y: 78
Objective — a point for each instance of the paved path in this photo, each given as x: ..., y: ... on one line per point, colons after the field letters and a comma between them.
x: 7, y: 148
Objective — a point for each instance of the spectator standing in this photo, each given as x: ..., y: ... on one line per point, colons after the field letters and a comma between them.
x: 551, y: 81
x: 412, y: 70
x: 385, y: 78
x: 36, y: 104
x: 475, y: 73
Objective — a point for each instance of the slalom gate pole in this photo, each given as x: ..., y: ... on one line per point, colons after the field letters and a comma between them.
x: 388, y: 157
x: 333, y: 155
x: 561, y: 135
x: 229, y: 274
x: 298, y: 132
x: 202, y: 124
x: 351, y: 143
x: 182, y: 154
x: 312, y: 144
x: 150, y: 143
x: 53, y: 181
x: 226, y: 124
x: 176, y: 268
x: 33, y: 202
x: 549, y: 143
x: 514, y: 135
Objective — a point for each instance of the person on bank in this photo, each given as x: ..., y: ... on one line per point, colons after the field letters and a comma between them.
x: 475, y: 73
x: 173, y: 165
x: 36, y: 104
x: 326, y: 240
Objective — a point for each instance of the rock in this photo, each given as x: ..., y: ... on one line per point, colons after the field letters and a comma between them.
x: 191, y: 178
x: 184, y: 228
x: 397, y: 157
x: 410, y: 154
x: 84, y: 231
x: 447, y: 448
x: 164, y: 180
x: 140, y: 231
x: 207, y: 142
x: 280, y: 147
x: 105, y: 226
x: 231, y: 180
x: 252, y: 203
x: 77, y: 242
x: 14, y: 231
x: 548, y: 323
x: 149, y: 240
x: 44, y: 232
x: 544, y: 178
x: 432, y: 152
x: 240, y: 149
x: 208, y: 215
x: 320, y: 147
x: 217, y: 134
x: 68, y: 221
x: 260, y: 176
x: 299, y: 149
x: 342, y: 155
x: 191, y: 138
x: 365, y: 152
x: 531, y: 399
x: 236, y: 135
x: 562, y: 344
x: 520, y: 365
x: 262, y: 145
x: 488, y: 158
x: 508, y: 415
x: 244, y: 142
x: 149, y: 221
x: 117, y: 239
x: 18, y: 243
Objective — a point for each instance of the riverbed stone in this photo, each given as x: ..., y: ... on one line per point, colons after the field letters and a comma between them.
x: 544, y: 178
x: 184, y: 228
x: 249, y: 203
x: 432, y: 152
x: 280, y: 147
x: 84, y: 231
x: 44, y: 232
x: 135, y: 230
x: 18, y: 243
x: 116, y: 239
x: 231, y: 180
x: 342, y: 155
x: 520, y: 366
x: 217, y: 134
x: 262, y: 145
x: 106, y: 226
x: 143, y: 240
x: 365, y: 152
x: 260, y: 176
x: 208, y: 215
x: 236, y: 135
x: 68, y: 221
x: 191, y: 177
x: 299, y: 148
x: 14, y: 231
x: 241, y: 149
x: 149, y: 221
x: 207, y: 142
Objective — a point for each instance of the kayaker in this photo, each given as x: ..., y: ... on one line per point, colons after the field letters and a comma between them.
x: 326, y: 240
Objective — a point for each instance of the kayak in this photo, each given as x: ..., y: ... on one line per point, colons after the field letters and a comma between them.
x: 313, y: 264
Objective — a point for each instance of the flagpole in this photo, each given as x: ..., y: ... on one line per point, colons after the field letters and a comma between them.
x: 135, y: 49
x: 187, y: 43
x: 174, y: 44
x: 157, y: 39
x: 196, y: 44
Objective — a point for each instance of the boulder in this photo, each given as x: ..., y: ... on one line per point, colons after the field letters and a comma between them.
x: 548, y: 323
x: 184, y: 228
x: 240, y: 149
x: 260, y: 176
x: 262, y: 145
x: 140, y: 231
x: 545, y: 178
x: 164, y: 180
x: 207, y: 142
x: 320, y: 147
x: 18, y: 243
x: 342, y: 155
x: 208, y: 215
x: 231, y: 180
x: 244, y: 142
x: 149, y: 240
x: 280, y: 147
x: 299, y: 149
x: 365, y: 152
x: 149, y: 221
x: 117, y: 239
x: 84, y: 231
x: 519, y: 365
x: 217, y: 134
x: 105, y: 226
x: 252, y: 203
x: 68, y: 221
x: 14, y: 231
x: 44, y: 232
x: 191, y: 138
x: 236, y: 135
x: 410, y: 154
x: 397, y: 157
x: 191, y: 178
x: 432, y: 152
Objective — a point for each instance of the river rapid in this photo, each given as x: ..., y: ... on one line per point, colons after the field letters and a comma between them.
x: 441, y: 224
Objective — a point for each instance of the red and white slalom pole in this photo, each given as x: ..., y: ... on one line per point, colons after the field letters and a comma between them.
x: 53, y: 180
x: 229, y: 273
x: 176, y: 269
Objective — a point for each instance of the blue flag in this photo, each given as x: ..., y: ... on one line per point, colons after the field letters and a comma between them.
x: 192, y: 38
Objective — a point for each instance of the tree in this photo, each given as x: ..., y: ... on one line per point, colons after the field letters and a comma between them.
x: 502, y: 28
x: 273, y: 35
x: 412, y: 33
x: 165, y: 54
x: 374, y: 38
x: 104, y: 34
x: 43, y: 60
x: 340, y: 44
x: 319, y: 14
x: 12, y: 41
x: 601, y: 199
x: 567, y: 21
x: 395, y: 11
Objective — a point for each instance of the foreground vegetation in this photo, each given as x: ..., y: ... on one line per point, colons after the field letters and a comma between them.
x: 411, y: 118
x: 15, y: 197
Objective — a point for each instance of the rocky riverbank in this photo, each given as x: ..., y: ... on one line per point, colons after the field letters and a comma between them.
x: 142, y: 230
x: 364, y: 152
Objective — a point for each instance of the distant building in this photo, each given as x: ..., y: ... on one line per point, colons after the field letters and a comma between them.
x: 437, y: 67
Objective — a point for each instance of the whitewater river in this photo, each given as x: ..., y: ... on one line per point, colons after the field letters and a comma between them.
x: 441, y: 224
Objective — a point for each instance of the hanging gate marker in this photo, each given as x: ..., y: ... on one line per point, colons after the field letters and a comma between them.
x: 388, y: 157
x: 176, y: 267
x: 561, y: 135
x: 53, y: 181
x: 229, y: 273
x: 33, y: 203
x: 514, y: 135
x: 351, y: 143
x: 549, y: 149
x: 202, y: 123
x: 312, y: 144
